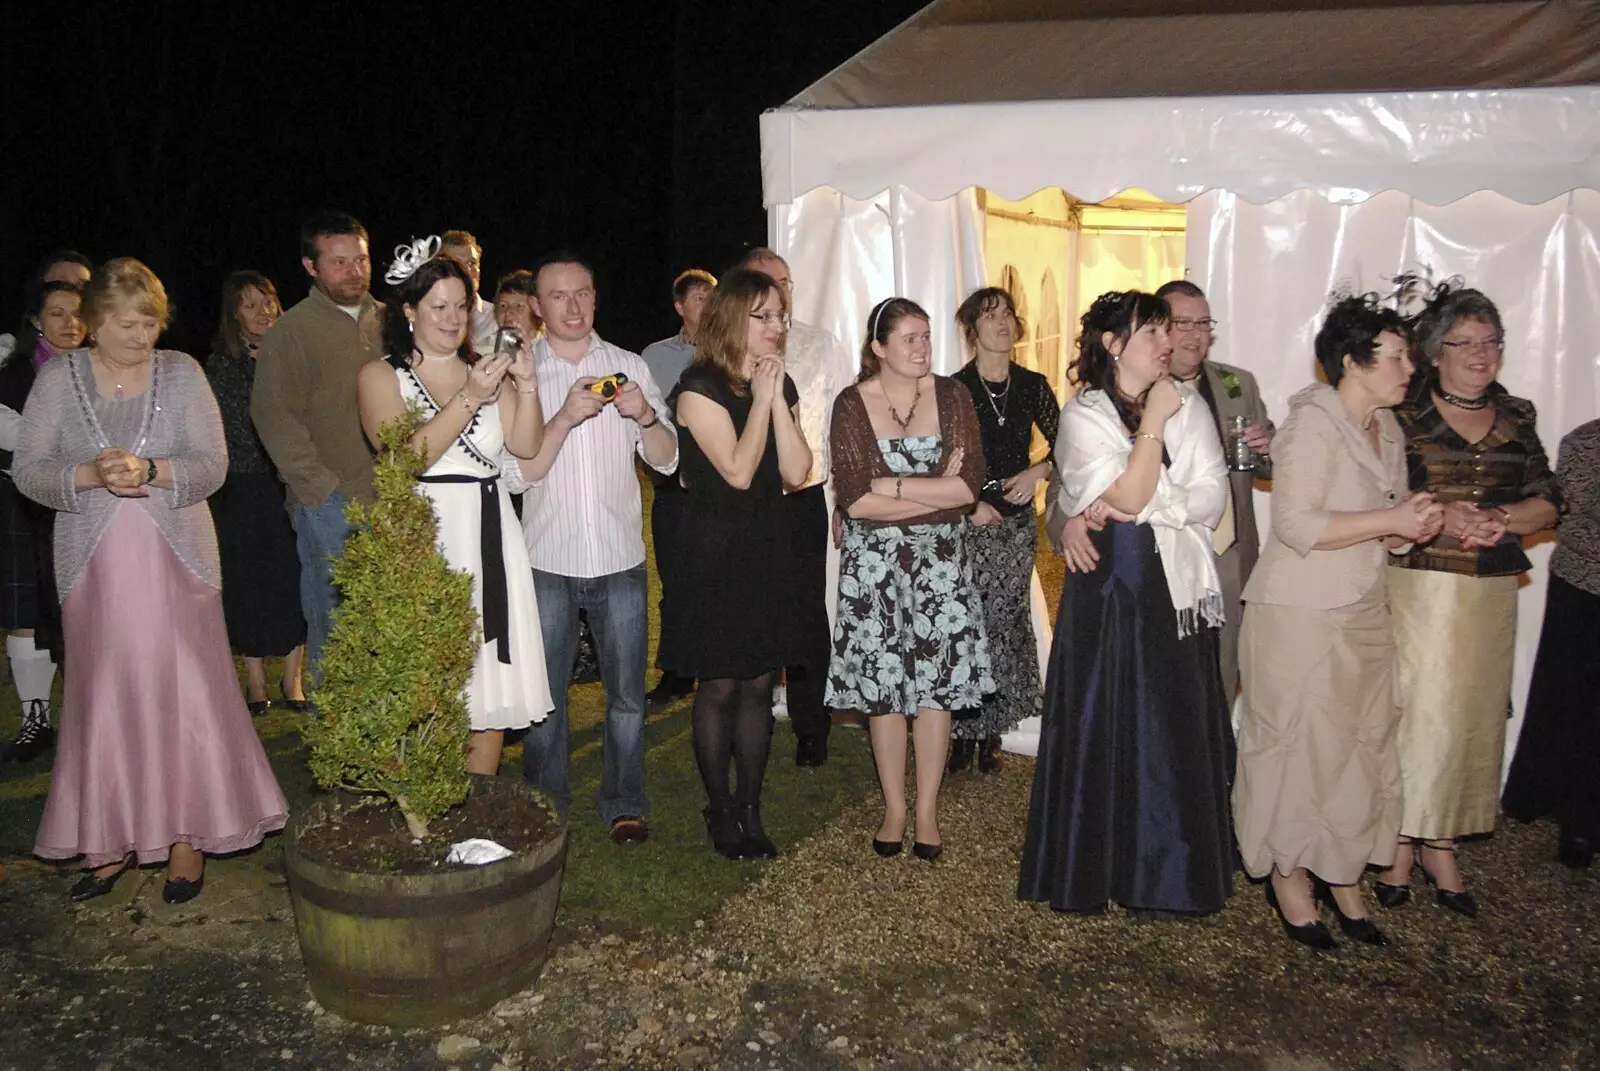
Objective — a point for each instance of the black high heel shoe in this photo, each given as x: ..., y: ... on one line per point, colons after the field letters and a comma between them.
x: 927, y: 852
x: 182, y: 890
x: 757, y: 845
x: 727, y: 839
x: 1459, y: 901
x: 989, y: 755
x: 1361, y: 929
x: 92, y: 885
x: 1392, y: 896
x: 299, y: 706
x: 1311, y: 934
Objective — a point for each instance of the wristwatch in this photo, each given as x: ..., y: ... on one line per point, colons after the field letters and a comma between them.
x: 150, y: 473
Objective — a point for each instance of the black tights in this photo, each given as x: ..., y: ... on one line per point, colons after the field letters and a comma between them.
x: 733, y: 718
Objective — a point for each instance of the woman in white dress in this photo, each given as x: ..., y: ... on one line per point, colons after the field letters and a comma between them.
x: 475, y: 425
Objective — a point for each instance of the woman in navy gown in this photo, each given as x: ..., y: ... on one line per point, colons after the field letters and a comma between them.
x: 1130, y: 792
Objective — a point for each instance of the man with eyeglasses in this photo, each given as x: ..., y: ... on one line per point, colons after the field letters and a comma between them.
x: 820, y: 369
x: 1229, y: 392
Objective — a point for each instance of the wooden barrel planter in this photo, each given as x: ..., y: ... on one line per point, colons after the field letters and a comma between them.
x: 425, y: 949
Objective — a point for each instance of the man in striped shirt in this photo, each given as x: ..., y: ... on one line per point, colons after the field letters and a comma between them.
x: 583, y: 521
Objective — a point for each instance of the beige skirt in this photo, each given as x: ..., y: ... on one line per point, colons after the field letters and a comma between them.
x: 1318, y: 781
x: 1456, y: 636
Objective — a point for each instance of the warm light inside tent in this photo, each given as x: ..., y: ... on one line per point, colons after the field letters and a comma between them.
x: 1055, y: 254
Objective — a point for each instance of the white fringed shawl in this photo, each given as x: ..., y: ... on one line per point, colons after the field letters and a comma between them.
x: 1092, y: 450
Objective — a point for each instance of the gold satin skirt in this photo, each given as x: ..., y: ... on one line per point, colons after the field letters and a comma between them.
x: 1456, y: 636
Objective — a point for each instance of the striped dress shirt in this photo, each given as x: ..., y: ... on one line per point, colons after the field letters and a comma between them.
x: 585, y: 519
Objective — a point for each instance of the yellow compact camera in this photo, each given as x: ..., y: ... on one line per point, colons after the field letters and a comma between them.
x: 607, y: 388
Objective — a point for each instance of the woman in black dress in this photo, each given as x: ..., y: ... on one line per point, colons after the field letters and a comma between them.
x: 1011, y: 402
x: 1558, y: 751
x: 260, y: 568
x: 1130, y: 793
x: 29, y: 609
x: 739, y: 446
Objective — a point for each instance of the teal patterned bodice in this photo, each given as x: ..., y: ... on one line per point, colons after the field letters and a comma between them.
x: 913, y: 456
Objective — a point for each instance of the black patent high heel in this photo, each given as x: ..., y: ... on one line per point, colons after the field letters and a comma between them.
x: 1311, y: 934
x: 1392, y: 896
x: 1459, y: 901
x: 1357, y: 929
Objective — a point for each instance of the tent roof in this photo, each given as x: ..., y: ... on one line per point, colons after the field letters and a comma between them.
x: 973, y: 51
x: 1260, y: 97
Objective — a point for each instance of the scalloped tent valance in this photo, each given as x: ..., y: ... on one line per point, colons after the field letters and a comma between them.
x: 1436, y: 98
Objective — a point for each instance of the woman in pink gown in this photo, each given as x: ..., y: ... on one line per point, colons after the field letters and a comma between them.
x: 156, y: 758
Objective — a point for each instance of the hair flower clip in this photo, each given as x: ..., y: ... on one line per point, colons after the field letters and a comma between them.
x: 408, y: 258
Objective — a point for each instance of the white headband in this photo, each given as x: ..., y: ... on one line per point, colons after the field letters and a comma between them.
x: 872, y: 321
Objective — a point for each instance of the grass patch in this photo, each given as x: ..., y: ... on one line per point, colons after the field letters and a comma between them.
x: 666, y: 883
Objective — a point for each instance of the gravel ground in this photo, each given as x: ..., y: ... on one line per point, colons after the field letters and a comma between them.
x: 837, y: 959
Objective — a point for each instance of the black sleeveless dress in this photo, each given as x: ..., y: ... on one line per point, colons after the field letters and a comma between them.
x: 732, y: 608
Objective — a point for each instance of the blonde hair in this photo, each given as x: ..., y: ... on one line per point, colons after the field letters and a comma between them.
x: 121, y: 284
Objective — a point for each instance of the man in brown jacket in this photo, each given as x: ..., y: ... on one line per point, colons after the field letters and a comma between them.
x: 304, y: 406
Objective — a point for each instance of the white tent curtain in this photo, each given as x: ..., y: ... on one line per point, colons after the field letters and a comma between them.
x: 1268, y: 270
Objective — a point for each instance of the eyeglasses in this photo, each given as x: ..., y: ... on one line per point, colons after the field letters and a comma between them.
x: 769, y: 318
x: 1472, y: 345
x: 1193, y: 325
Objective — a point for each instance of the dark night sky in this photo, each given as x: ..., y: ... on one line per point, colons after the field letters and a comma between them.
x: 196, y: 136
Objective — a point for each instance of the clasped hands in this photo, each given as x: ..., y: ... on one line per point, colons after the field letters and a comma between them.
x: 1472, y: 527
x: 122, y: 473
x: 1016, y: 490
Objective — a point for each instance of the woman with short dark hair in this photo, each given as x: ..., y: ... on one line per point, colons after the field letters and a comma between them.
x: 260, y: 566
x: 1317, y: 796
x: 1130, y: 791
x: 1477, y: 448
x: 28, y: 610
x: 1011, y: 402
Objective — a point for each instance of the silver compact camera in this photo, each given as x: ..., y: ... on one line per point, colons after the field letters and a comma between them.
x: 507, y: 341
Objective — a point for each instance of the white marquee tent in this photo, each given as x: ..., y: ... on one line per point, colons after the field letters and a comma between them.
x: 1314, y: 144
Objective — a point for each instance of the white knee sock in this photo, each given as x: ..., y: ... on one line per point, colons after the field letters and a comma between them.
x: 32, y: 669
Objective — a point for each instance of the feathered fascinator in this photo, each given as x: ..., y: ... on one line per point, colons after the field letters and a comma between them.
x: 408, y: 258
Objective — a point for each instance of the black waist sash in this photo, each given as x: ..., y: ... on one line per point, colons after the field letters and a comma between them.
x: 496, y: 602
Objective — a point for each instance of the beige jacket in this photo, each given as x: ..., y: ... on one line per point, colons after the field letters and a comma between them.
x: 1324, y: 464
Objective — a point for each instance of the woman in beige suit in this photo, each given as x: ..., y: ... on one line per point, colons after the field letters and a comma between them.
x: 1317, y: 792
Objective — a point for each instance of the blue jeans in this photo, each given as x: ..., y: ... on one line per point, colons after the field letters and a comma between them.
x: 319, y: 536
x: 615, y: 605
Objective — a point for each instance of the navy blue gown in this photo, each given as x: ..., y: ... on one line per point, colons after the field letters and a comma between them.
x: 1130, y: 791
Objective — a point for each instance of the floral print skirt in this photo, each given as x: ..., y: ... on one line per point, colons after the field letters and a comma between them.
x: 1002, y: 564
x: 910, y: 630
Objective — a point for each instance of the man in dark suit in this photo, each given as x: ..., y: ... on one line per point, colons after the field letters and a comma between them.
x: 1229, y: 392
